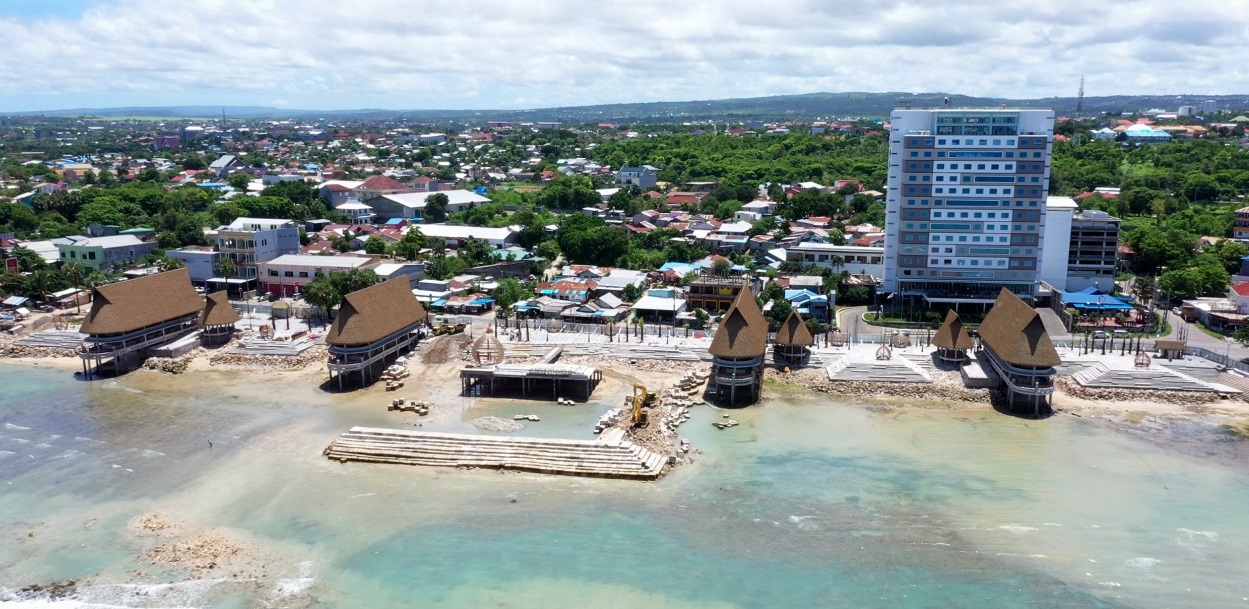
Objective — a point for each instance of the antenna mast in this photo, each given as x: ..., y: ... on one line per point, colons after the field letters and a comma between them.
x: 1080, y: 97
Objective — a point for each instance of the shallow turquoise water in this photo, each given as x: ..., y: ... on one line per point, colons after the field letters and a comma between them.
x: 806, y: 504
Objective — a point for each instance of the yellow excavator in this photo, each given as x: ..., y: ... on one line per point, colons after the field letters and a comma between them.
x: 642, y: 399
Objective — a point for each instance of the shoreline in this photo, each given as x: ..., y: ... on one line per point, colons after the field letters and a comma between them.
x: 438, y: 383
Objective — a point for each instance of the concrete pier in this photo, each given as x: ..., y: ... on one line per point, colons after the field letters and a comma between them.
x: 613, y: 458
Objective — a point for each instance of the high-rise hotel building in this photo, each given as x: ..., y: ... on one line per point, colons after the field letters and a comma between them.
x: 965, y: 207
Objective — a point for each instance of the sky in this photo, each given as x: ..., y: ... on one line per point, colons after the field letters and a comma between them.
x: 505, y: 54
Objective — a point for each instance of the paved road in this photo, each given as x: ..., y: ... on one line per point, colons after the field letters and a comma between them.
x: 1197, y: 338
x: 850, y: 320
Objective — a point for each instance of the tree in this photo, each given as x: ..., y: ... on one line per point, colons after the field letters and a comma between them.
x: 225, y: 267
x: 781, y: 309
x: 375, y: 245
x: 321, y: 294
x: 631, y: 292
x: 509, y: 292
x: 43, y: 282
x: 27, y: 260
x: 721, y: 267
x: 239, y: 181
x: 346, y: 282
x: 436, y: 207
x: 75, y: 274
x: 165, y: 263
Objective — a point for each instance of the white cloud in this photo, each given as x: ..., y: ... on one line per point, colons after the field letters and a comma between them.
x: 501, y: 53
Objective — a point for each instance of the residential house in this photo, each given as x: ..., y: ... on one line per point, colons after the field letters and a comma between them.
x: 104, y: 253
x: 380, y: 185
x: 411, y: 205
x: 225, y: 165
x: 286, y: 274
x: 250, y: 241
x: 454, y: 236
x: 200, y: 261
x: 643, y: 177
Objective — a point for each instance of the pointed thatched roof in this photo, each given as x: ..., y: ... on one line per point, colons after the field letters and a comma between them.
x: 371, y: 314
x: 126, y: 306
x: 952, y: 335
x: 1014, y: 331
x: 218, y: 311
x: 794, y: 332
x: 744, y: 331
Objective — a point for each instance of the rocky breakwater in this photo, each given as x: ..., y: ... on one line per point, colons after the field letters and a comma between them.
x: 946, y: 386
x: 314, y: 355
x: 1074, y: 389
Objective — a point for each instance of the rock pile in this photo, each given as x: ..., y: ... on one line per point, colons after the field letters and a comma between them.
x: 496, y: 424
x: 313, y: 355
x: 172, y: 365
x: 200, y: 553
x: 1070, y: 387
x: 12, y: 350
x: 942, y: 388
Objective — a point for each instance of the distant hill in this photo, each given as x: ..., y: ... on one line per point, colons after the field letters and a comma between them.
x: 774, y: 108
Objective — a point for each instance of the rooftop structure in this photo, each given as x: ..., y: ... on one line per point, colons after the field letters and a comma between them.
x: 737, y: 351
x: 373, y: 324
x: 1019, y: 349
x: 952, y: 340
x: 218, y: 318
x: 793, y: 339
x: 130, y: 316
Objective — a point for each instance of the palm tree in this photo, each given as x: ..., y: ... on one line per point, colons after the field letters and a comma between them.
x: 75, y: 274
x: 225, y: 267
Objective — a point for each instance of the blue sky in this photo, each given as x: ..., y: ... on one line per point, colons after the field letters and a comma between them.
x: 36, y: 9
x: 464, y: 54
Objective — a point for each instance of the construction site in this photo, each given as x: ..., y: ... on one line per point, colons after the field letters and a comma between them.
x: 636, y: 435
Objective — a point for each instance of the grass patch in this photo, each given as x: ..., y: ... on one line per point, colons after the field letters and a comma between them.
x: 784, y: 386
x: 1209, y: 332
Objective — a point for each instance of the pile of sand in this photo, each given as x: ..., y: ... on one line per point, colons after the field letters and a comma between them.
x: 444, y: 349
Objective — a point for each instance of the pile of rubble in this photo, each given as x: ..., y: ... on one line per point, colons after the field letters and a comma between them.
x: 35, y: 352
x: 446, y: 349
x: 395, y: 374
x: 817, y: 380
x: 1072, y: 388
x: 635, y: 365
x: 168, y: 365
x: 313, y: 355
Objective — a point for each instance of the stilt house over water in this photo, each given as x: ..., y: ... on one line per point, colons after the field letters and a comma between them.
x: 952, y: 340
x: 1020, y: 350
x: 793, y: 340
x: 129, y: 317
x: 737, y: 352
x: 374, y: 324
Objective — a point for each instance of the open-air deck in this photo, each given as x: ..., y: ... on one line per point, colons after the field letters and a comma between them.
x: 1020, y: 351
x: 129, y: 317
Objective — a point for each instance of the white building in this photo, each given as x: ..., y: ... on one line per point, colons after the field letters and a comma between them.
x: 965, y: 202
x: 851, y: 258
x: 1058, y: 213
x: 410, y: 205
x: 498, y: 238
x: 284, y: 275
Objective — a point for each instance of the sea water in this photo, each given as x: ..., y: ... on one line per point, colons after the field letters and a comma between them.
x: 807, y: 503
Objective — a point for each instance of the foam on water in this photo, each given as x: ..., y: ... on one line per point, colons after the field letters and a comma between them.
x: 1016, y: 529
x: 17, y: 427
x: 151, y: 454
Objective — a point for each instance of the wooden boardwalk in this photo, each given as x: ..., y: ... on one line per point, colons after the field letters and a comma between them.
x: 613, y: 458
